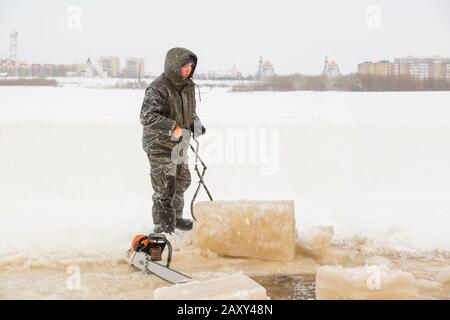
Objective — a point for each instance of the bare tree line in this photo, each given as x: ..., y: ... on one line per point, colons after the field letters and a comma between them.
x: 351, y: 82
x: 28, y: 82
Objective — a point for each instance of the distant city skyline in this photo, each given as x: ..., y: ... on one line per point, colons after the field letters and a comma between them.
x: 294, y: 36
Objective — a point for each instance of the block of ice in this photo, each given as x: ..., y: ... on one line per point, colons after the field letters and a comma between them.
x: 257, y: 229
x: 230, y: 287
x: 367, y: 282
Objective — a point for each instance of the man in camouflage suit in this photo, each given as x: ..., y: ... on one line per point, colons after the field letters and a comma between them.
x: 168, y: 113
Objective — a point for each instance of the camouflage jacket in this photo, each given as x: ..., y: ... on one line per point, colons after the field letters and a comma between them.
x: 169, y: 100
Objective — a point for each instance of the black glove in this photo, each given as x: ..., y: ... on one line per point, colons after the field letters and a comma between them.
x: 197, y: 129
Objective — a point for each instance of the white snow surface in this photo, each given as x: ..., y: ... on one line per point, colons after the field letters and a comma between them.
x: 74, y: 175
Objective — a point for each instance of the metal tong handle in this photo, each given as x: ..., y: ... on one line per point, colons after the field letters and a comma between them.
x: 200, y: 175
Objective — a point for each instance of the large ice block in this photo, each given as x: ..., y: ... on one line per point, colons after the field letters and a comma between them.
x: 367, y: 282
x: 257, y: 229
x: 231, y: 287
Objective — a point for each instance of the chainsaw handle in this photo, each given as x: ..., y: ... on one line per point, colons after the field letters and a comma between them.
x: 166, y: 243
x: 137, y: 246
x: 169, y: 253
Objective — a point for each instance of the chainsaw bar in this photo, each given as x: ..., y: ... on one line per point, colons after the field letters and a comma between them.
x: 143, y: 262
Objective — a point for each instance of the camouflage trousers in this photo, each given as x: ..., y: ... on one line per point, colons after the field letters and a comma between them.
x: 169, y: 181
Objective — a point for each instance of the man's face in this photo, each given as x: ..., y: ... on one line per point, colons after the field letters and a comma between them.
x: 185, y: 70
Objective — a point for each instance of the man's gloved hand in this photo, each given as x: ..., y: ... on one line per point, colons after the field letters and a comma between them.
x: 197, y: 128
x: 176, y: 134
x: 179, y: 133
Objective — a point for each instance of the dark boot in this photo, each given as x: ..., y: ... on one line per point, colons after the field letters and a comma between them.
x: 183, y: 224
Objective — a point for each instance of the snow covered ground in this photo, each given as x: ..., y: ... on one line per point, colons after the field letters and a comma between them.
x: 74, y: 178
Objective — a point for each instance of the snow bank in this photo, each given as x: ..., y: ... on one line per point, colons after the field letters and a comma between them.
x: 361, y: 161
x: 425, y: 284
x: 257, y: 229
x: 316, y: 241
x: 444, y: 275
x: 378, y: 261
x: 231, y: 287
x: 368, y: 282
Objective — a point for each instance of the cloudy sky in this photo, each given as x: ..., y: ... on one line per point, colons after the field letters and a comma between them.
x: 294, y: 35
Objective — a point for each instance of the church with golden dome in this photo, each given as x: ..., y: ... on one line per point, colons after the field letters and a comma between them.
x: 265, y: 69
x: 330, y: 68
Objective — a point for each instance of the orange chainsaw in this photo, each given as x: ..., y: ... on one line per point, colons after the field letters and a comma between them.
x: 146, y: 254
